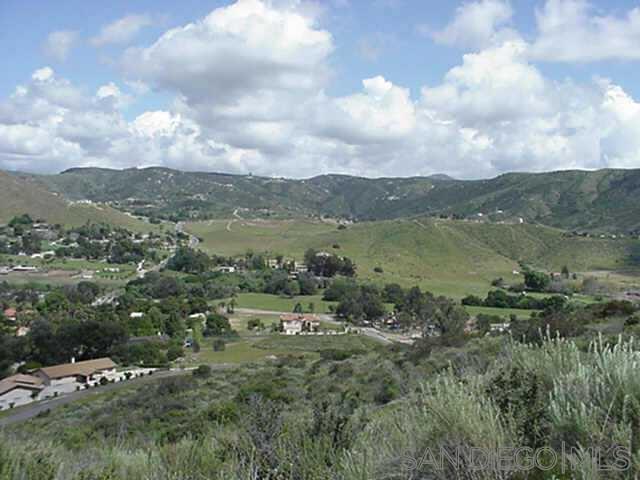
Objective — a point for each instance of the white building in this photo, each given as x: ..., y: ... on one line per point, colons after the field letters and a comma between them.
x: 295, y: 324
x: 19, y: 390
x: 76, y: 372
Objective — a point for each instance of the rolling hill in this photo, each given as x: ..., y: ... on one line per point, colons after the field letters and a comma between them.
x: 20, y: 195
x: 451, y: 257
x: 604, y: 200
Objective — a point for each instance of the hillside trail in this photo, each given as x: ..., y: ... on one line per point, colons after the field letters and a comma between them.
x: 233, y: 220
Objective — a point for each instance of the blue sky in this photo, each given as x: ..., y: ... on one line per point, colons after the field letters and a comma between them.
x: 378, y: 87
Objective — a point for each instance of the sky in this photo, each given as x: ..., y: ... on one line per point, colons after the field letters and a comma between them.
x: 300, y: 88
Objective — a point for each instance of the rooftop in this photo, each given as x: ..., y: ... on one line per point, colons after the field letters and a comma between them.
x: 85, y: 368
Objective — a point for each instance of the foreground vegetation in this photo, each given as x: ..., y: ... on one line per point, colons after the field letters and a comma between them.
x: 336, y: 418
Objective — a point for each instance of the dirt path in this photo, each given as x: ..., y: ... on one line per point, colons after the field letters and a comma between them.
x: 233, y: 220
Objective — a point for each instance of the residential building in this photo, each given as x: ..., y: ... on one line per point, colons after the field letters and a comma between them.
x: 297, y: 323
x: 19, y: 390
x: 10, y: 314
x: 80, y: 372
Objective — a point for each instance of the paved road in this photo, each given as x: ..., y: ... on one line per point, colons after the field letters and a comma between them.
x: 29, y: 411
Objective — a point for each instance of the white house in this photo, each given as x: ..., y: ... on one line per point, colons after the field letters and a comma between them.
x: 136, y: 315
x: 295, y: 324
x: 227, y: 269
x: 76, y: 372
x: 19, y: 390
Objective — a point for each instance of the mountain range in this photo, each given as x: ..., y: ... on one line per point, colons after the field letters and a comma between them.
x: 594, y: 201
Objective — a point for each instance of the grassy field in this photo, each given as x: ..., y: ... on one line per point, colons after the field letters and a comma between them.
x: 237, y: 352
x: 502, y: 312
x: 264, y: 301
x: 258, y: 348
x: 453, y: 258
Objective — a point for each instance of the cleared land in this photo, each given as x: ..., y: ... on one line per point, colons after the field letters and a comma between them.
x: 453, y: 258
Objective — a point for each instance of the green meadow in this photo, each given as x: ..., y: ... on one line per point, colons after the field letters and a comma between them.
x: 453, y: 258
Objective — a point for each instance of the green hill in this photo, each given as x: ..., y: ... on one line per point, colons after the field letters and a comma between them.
x: 604, y: 200
x: 445, y: 256
x: 20, y: 195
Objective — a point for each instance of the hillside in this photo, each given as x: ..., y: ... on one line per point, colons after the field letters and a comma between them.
x: 445, y: 256
x: 604, y: 200
x: 23, y: 195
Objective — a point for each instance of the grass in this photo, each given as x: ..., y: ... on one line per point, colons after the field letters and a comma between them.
x: 241, y: 351
x: 257, y: 349
x: 502, y: 312
x: 452, y: 258
x: 311, y: 343
x: 265, y: 301
x: 63, y: 271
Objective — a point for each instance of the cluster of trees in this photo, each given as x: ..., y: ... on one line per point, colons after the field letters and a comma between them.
x: 501, y: 299
x: 325, y: 264
x: 218, y: 325
x: 414, y: 309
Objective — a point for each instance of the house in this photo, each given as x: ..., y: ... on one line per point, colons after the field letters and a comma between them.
x: 10, y: 314
x: 297, y: 323
x: 24, y: 268
x: 202, y: 317
x: 44, y: 255
x: 136, y: 315
x: 5, y: 270
x: 301, y: 267
x: 226, y: 269
x: 18, y: 390
x: 80, y: 372
x: 499, y: 327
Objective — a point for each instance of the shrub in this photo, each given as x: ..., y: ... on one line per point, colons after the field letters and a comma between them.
x: 203, y: 371
x: 175, y: 351
x: 219, y: 345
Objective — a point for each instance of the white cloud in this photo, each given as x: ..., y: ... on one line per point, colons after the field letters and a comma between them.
x: 492, y: 86
x: 476, y: 25
x: 246, y: 47
x: 43, y: 74
x: 122, y: 30
x: 571, y: 31
x: 250, y: 85
x: 58, y: 44
x: 383, y: 112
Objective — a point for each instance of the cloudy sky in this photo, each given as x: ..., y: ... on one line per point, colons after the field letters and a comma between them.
x: 299, y: 88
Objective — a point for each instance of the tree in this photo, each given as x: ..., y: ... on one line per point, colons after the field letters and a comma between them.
x: 536, y: 281
x: 231, y: 306
x: 175, y: 351
x: 217, y: 325
x: 255, y: 324
x: 308, y: 285
x: 393, y: 293
x: 565, y: 272
x: 298, y: 308
x: 190, y: 261
x: 219, y: 345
